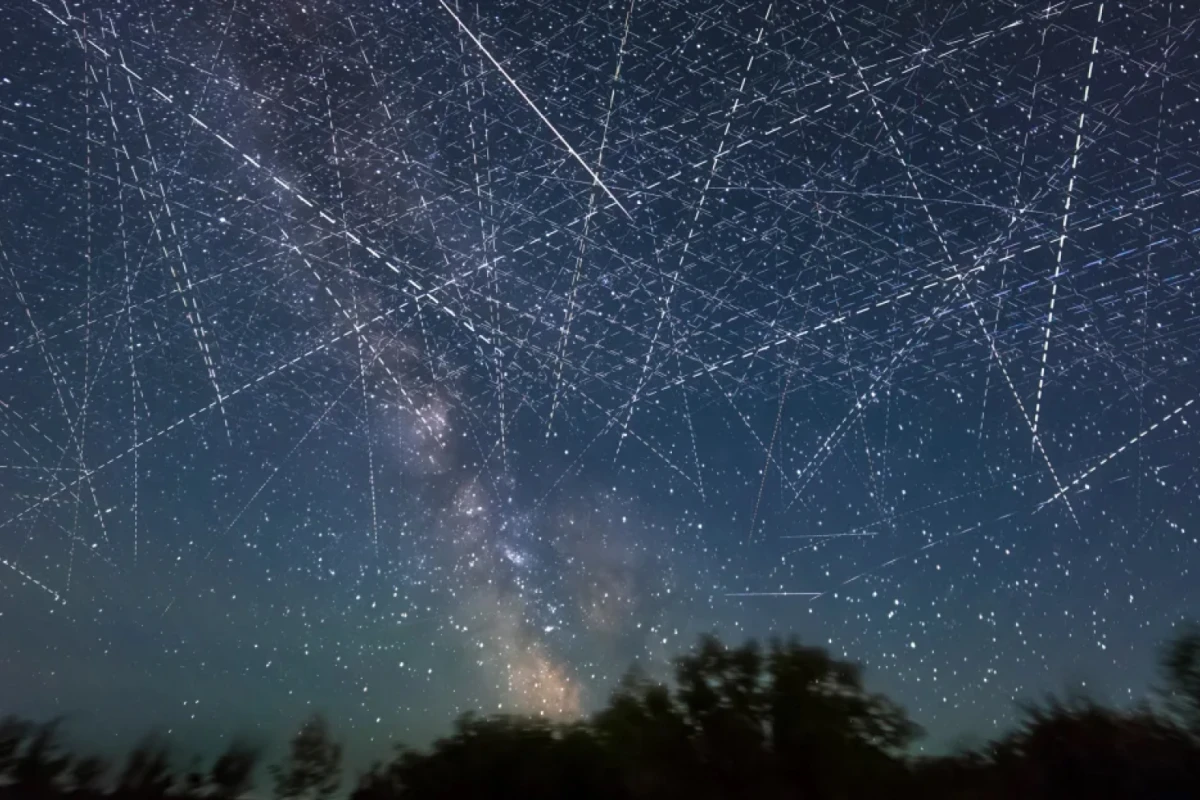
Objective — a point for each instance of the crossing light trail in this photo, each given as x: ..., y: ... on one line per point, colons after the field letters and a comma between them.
x: 341, y: 321
x: 825, y: 535
x: 529, y: 101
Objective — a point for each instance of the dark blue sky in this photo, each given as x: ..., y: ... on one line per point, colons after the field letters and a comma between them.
x: 403, y: 360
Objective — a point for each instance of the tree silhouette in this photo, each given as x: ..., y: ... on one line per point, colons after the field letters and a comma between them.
x: 734, y: 723
x: 232, y: 774
x: 195, y: 780
x: 381, y: 781
x: 724, y: 698
x: 787, y: 721
x: 741, y: 722
x: 1079, y: 748
x: 498, y: 757
x: 827, y: 731
x: 147, y: 773
x: 1180, y: 663
x: 313, y: 768
x: 648, y: 740
x: 40, y: 766
x: 13, y: 731
x: 87, y: 776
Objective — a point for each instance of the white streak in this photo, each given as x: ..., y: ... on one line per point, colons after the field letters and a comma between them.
x: 536, y: 110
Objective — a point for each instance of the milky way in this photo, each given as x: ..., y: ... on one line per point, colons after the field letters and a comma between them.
x: 403, y: 359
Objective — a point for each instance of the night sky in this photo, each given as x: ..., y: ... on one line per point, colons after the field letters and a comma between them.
x: 398, y: 359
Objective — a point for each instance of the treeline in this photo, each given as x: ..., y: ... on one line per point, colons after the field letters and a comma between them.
x: 787, y: 721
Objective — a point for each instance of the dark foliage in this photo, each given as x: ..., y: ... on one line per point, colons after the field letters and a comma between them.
x: 498, y: 757
x: 1180, y: 664
x: 232, y: 774
x: 1076, y: 749
x: 313, y: 770
x: 739, y: 721
x: 789, y: 721
x: 39, y: 768
x: 195, y: 782
x: 12, y: 735
x: 147, y: 774
x: 87, y: 776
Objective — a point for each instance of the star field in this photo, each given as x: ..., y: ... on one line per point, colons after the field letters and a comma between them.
x: 403, y: 359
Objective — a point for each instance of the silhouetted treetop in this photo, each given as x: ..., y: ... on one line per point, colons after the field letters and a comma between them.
x: 232, y: 774
x: 87, y: 775
x: 12, y: 735
x: 313, y: 769
x: 784, y: 721
x: 1180, y: 663
x: 41, y: 765
x: 147, y: 774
